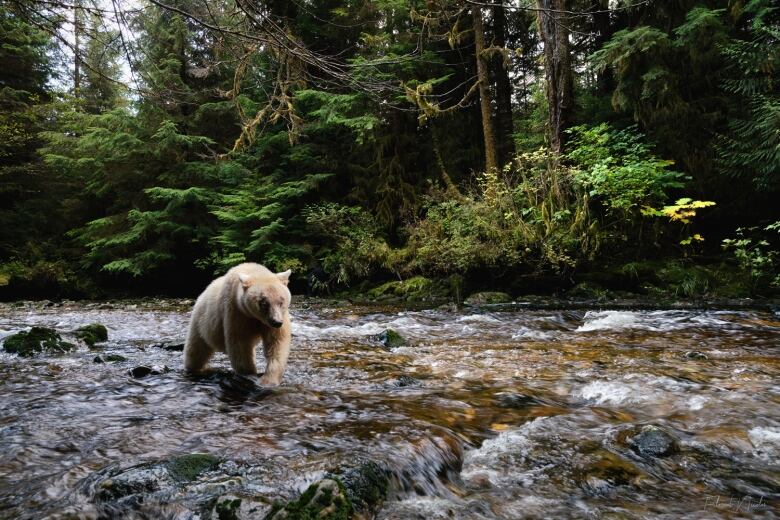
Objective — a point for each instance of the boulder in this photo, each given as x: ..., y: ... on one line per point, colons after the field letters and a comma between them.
x: 91, y: 334
x: 389, y: 339
x: 36, y: 340
x: 653, y: 441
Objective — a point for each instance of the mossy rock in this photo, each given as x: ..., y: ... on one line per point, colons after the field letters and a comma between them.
x: 326, y: 499
x: 92, y: 333
x: 366, y: 486
x: 487, y: 298
x: 390, y: 339
x: 228, y: 508
x: 418, y: 288
x: 36, y: 340
x: 187, y: 467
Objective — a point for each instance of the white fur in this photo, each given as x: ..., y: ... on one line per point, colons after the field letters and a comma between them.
x: 226, y: 318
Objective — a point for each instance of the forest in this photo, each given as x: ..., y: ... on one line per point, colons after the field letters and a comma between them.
x: 390, y: 147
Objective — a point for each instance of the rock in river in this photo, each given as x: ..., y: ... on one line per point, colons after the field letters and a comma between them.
x: 37, y: 339
x: 488, y: 297
x: 149, y: 478
x: 652, y: 441
x: 389, y: 339
x: 91, y: 334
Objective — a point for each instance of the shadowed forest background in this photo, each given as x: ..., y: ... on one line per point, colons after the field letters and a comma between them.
x: 536, y: 147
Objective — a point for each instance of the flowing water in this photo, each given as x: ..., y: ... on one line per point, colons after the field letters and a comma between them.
x: 486, y: 413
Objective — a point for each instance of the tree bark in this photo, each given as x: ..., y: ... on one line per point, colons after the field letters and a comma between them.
x: 76, y: 50
x: 504, y: 127
x: 491, y: 157
x: 557, y: 68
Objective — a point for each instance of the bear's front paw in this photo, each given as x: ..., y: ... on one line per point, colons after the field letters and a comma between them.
x: 268, y: 380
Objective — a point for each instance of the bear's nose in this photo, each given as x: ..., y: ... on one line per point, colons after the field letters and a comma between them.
x: 276, y: 324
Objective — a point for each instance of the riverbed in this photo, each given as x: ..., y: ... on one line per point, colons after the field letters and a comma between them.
x: 486, y: 412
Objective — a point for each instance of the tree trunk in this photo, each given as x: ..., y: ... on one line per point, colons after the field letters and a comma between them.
x: 557, y: 68
x: 504, y: 127
x: 602, y: 29
x: 491, y: 158
x: 76, y: 50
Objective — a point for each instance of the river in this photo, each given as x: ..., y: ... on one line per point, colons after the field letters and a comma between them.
x: 486, y: 413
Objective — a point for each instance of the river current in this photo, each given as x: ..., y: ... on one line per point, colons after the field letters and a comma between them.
x: 486, y: 413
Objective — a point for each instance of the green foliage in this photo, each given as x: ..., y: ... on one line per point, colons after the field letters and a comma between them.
x: 618, y: 168
x: 750, y: 146
x: 356, y: 247
x: 756, y: 251
x: 532, y: 216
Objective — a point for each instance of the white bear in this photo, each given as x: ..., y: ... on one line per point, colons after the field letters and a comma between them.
x: 248, y: 304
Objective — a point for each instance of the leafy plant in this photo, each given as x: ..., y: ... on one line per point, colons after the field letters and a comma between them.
x: 755, y: 253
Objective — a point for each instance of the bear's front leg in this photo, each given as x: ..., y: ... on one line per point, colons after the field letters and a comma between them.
x: 276, y: 347
x: 240, y: 349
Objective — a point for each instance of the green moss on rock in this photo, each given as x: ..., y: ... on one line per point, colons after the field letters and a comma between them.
x: 390, y: 339
x: 187, y: 467
x: 36, y: 340
x: 93, y: 333
x: 418, y: 288
x: 227, y: 509
x: 324, y: 500
x: 487, y: 298
x: 366, y: 486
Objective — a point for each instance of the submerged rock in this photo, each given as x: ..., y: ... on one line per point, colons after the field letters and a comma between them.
x: 36, y: 340
x: 404, y: 381
x: 170, y: 346
x: 389, y: 339
x: 91, y: 334
x: 149, y: 478
x: 144, y: 370
x: 186, y: 467
x: 487, y: 298
x: 695, y: 354
x: 109, y: 358
x: 652, y: 441
x: 144, y: 479
x: 516, y: 400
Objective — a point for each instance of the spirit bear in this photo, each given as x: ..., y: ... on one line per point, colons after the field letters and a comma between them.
x: 248, y: 304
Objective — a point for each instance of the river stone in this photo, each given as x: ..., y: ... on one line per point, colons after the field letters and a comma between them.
x: 153, y: 477
x: 652, y: 441
x: 37, y: 339
x: 366, y: 486
x: 389, y: 339
x: 142, y: 371
x: 109, y: 358
x: 186, y: 467
x: 488, y: 297
x: 516, y: 400
x: 695, y: 354
x: 326, y: 499
x: 91, y: 334
x: 233, y: 507
x: 144, y: 479
x: 170, y: 346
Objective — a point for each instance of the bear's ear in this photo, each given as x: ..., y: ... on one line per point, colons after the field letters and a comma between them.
x: 284, y: 277
x: 246, y: 280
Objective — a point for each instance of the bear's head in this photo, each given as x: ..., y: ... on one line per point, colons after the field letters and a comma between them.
x: 266, y: 297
